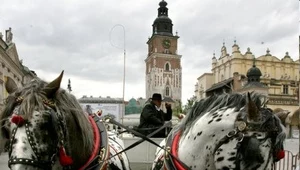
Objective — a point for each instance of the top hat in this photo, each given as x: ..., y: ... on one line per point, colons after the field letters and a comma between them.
x: 156, y: 96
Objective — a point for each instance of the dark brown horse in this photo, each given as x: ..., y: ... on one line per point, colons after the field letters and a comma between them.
x: 48, y: 129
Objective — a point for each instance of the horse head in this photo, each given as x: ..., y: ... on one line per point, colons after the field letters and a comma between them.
x: 262, y: 137
x: 38, y: 119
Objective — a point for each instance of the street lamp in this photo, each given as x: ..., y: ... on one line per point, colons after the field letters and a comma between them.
x: 124, y: 49
x: 69, y: 86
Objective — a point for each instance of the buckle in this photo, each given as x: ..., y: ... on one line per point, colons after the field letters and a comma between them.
x: 240, y: 137
x: 167, y: 152
x: 101, y: 155
x: 241, y: 125
x: 231, y: 133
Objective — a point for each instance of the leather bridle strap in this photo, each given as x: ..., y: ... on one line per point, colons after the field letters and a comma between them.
x: 234, y: 133
x: 147, y: 139
x: 31, y: 162
x: 38, y: 163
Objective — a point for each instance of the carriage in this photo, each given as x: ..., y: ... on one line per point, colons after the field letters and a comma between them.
x: 47, y: 129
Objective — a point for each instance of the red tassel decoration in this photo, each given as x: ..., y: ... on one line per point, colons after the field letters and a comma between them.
x: 64, y: 159
x: 18, y: 120
x: 280, y: 154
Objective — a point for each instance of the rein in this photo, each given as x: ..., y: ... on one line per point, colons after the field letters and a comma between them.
x: 139, y: 141
x: 108, y: 119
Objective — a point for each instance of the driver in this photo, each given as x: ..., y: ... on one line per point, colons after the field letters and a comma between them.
x: 152, y: 117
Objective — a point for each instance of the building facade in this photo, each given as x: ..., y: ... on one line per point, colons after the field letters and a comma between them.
x: 279, y: 76
x: 104, y: 105
x: 163, y: 63
x: 11, y: 68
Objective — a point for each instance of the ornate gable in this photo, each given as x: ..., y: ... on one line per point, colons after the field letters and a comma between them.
x: 13, y: 54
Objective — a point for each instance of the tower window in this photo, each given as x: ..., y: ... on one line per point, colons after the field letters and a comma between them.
x: 167, y: 67
x: 166, y: 27
x: 285, y: 89
x: 167, y: 91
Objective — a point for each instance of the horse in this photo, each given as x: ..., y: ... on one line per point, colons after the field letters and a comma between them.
x: 222, y: 132
x: 47, y: 129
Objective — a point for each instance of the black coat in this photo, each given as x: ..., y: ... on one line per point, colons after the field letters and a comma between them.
x: 152, y: 119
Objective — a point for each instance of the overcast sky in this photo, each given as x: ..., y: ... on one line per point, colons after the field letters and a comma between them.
x: 74, y: 35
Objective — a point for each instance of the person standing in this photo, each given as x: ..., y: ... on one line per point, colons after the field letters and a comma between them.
x: 152, y: 117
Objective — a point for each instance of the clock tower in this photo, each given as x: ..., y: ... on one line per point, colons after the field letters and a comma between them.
x: 163, y: 64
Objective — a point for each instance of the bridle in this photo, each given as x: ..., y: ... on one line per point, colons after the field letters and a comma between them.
x: 58, y: 119
x: 243, y: 129
x: 34, y: 162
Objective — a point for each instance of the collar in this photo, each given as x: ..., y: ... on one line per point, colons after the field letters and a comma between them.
x: 172, y: 143
x: 101, y: 147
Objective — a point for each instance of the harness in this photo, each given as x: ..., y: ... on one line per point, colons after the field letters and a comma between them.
x: 101, y: 146
x: 172, y: 147
x: 240, y: 131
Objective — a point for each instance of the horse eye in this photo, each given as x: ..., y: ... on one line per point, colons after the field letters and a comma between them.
x: 44, y: 126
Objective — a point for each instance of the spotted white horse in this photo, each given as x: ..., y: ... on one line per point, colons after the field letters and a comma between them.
x: 222, y: 132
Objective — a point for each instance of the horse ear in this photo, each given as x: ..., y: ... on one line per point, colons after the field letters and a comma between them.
x: 282, y: 115
x: 252, y: 110
x: 53, y: 86
x: 10, y: 86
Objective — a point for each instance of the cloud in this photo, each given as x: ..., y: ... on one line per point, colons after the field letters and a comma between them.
x: 77, y: 36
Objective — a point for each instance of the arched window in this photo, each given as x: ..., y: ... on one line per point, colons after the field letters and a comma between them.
x: 167, y: 91
x: 167, y: 67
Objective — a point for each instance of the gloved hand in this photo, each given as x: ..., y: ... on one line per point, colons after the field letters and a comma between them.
x: 181, y: 116
x: 168, y: 106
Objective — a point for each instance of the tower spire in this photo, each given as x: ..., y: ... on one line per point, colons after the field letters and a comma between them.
x: 163, y: 10
x: 162, y: 25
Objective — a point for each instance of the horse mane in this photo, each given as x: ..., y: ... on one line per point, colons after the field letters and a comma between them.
x: 220, y: 101
x: 65, y: 103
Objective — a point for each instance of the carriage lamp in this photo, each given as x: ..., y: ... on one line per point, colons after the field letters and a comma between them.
x: 18, y: 120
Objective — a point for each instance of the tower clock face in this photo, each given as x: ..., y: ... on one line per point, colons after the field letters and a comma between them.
x: 166, y: 43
